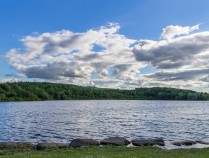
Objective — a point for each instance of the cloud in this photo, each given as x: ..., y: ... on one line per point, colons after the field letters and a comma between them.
x: 176, y: 53
x: 77, y: 56
x: 9, y: 75
x: 105, y: 58
x: 171, y: 31
x: 180, y: 75
x: 3, y: 80
x: 56, y: 70
x: 180, y: 61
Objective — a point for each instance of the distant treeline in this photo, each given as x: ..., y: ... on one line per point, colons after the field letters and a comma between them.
x: 25, y: 91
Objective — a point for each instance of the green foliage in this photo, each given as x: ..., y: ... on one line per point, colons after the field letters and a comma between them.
x: 26, y: 91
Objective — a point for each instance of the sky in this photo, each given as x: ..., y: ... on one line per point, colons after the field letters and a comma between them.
x: 106, y: 43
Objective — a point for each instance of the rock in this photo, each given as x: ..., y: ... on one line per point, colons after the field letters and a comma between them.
x: 83, y: 142
x: 202, y: 142
x: 148, y: 142
x: 186, y: 142
x: 116, y: 141
x: 43, y: 146
x: 16, y: 145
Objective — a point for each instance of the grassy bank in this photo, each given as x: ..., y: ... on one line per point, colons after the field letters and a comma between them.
x: 108, y: 152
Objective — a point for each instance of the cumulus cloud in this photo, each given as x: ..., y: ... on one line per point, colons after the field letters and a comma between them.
x: 180, y: 75
x: 100, y: 53
x: 105, y: 58
x: 175, y: 53
x: 3, y: 80
x: 58, y: 69
x: 171, y: 31
x: 179, y: 60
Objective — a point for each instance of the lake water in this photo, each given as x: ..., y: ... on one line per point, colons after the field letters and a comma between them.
x: 62, y: 121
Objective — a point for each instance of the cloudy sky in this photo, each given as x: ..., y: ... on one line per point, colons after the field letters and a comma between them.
x: 110, y: 43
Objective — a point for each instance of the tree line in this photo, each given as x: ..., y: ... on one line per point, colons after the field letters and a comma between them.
x: 28, y: 91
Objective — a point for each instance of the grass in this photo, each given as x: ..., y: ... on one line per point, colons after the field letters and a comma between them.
x: 107, y: 152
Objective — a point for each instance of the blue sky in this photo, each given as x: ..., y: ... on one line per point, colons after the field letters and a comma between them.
x: 137, y: 19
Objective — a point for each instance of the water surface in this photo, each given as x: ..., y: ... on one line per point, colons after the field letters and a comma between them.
x: 62, y: 121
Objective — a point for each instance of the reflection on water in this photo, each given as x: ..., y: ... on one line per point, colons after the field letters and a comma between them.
x: 61, y: 121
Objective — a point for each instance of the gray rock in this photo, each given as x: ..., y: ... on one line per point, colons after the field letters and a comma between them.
x: 186, y: 143
x: 16, y: 145
x: 116, y: 141
x: 83, y: 142
x: 148, y: 142
x: 43, y: 146
x: 202, y: 142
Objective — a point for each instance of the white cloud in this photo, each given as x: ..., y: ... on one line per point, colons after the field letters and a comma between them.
x: 72, y: 56
x: 186, y: 51
x: 105, y: 58
x: 179, y: 61
x: 3, y: 80
x: 171, y: 31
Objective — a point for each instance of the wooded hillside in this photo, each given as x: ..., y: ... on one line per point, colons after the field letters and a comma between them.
x: 23, y: 91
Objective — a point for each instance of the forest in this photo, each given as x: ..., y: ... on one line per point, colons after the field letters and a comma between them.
x: 34, y: 91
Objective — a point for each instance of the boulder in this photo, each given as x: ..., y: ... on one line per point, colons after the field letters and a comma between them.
x: 16, y: 145
x: 116, y: 141
x: 185, y: 142
x: 83, y: 142
x: 43, y: 146
x: 148, y: 142
x: 202, y: 142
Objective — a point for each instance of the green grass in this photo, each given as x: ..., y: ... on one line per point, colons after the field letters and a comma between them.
x: 107, y: 152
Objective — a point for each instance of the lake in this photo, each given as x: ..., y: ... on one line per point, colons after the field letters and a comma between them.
x: 62, y: 121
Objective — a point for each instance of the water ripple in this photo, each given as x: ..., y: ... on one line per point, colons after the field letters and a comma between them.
x: 61, y: 121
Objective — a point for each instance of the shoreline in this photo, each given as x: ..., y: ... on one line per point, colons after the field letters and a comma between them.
x: 110, y: 141
x: 13, y: 101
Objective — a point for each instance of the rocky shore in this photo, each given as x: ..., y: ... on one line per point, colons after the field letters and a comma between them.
x: 114, y: 141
